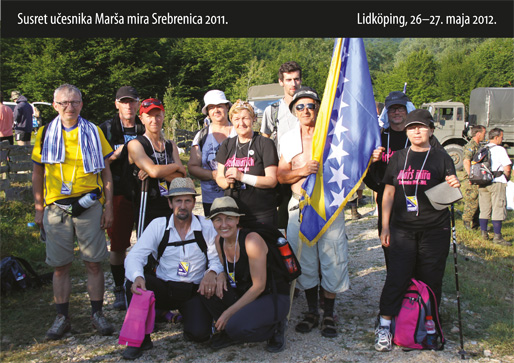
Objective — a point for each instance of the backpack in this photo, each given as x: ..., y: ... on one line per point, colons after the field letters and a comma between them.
x: 152, y: 263
x: 202, y: 137
x: 14, y: 275
x: 408, y: 327
x: 274, y: 119
x: 270, y: 235
x: 480, y: 172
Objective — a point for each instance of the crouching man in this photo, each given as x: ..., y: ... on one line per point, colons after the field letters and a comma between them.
x: 184, y: 270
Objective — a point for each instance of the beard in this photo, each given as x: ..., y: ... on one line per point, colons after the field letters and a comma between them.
x: 182, y: 214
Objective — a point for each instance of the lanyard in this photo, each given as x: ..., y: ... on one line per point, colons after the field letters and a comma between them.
x: 234, y: 263
x: 419, y: 176
x: 388, y: 139
x: 155, y: 156
x: 247, y: 155
x: 74, y: 167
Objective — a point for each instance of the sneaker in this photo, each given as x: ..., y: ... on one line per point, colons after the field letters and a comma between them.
x: 101, y: 324
x: 60, y: 326
x: 119, y: 295
x: 131, y: 353
x: 383, y: 338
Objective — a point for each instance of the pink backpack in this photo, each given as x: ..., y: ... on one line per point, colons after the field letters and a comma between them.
x: 408, y: 327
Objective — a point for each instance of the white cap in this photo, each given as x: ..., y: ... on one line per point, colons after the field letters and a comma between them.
x: 214, y: 97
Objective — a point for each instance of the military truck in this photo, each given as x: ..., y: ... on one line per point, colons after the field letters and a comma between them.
x: 491, y: 107
x: 262, y: 96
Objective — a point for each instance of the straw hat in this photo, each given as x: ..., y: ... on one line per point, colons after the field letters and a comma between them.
x: 182, y: 186
x: 224, y: 205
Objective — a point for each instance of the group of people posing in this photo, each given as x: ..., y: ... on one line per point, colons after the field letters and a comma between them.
x: 216, y: 270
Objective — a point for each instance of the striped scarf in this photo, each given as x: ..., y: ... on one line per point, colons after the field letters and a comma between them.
x: 89, y: 143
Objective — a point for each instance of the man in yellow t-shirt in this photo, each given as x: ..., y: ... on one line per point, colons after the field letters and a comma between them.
x: 69, y: 164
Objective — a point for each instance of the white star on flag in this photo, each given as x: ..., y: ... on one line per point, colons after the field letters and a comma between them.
x: 337, y: 152
x: 338, y: 176
x: 338, y: 198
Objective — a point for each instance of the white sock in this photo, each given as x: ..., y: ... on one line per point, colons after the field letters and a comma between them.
x: 384, y: 322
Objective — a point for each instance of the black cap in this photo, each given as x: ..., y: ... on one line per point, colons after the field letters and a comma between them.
x: 304, y: 92
x: 396, y: 98
x: 420, y: 116
x: 127, y: 92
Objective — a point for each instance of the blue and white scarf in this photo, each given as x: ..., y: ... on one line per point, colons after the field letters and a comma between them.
x: 89, y: 143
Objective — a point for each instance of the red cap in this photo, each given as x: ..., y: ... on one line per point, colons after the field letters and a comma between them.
x: 149, y: 104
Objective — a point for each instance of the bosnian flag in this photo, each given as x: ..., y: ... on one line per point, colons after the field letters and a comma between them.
x: 345, y: 136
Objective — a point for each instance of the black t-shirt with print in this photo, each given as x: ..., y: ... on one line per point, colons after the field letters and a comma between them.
x: 404, y: 177
x: 251, y: 158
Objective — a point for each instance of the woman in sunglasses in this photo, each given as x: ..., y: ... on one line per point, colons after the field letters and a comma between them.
x: 156, y: 159
x: 247, y: 168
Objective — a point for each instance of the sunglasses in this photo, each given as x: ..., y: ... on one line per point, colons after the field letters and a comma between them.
x: 148, y: 103
x: 301, y: 106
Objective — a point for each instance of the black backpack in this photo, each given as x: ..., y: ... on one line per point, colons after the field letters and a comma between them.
x: 480, y: 172
x: 276, y: 261
x: 14, y: 276
x: 152, y: 263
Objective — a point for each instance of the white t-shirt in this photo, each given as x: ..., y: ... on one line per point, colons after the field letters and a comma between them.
x: 286, y: 121
x: 499, y: 159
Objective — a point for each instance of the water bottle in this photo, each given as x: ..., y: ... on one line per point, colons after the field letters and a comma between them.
x: 83, y: 203
x: 287, y: 255
x: 431, y: 342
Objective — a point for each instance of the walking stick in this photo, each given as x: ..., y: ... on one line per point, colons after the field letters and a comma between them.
x: 462, y: 352
x: 142, y: 207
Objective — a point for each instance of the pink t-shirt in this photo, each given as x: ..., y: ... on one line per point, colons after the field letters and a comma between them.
x: 6, y: 121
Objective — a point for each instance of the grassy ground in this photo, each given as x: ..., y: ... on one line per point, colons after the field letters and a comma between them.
x: 485, y: 278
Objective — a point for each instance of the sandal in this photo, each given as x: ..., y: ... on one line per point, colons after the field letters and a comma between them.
x: 328, y: 327
x: 309, y: 322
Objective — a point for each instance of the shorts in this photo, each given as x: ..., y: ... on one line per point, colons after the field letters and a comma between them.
x: 328, y: 256
x: 8, y: 138
x: 22, y: 135
x: 121, y: 229
x: 492, y: 200
x: 61, y: 230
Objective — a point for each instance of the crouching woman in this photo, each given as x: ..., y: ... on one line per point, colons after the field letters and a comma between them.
x: 251, y: 302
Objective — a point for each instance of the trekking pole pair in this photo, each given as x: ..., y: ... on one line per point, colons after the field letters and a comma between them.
x: 142, y: 207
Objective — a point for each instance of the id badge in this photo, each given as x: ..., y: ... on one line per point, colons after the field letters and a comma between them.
x: 183, y: 268
x: 412, y: 204
x: 231, y: 279
x: 66, y: 188
x: 163, y: 188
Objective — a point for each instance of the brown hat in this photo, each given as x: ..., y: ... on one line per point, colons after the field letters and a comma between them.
x: 224, y: 205
x: 182, y: 186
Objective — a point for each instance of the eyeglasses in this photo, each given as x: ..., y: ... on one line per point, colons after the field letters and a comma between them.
x: 67, y: 103
x: 396, y: 109
x: 302, y: 106
x: 151, y: 102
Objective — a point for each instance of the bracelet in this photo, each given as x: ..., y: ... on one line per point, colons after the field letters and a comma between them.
x: 249, y: 179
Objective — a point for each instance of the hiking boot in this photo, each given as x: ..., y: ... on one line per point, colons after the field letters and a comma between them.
x: 498, y: 239
x: 383, y: 339
x: 60, y: 326
x: 355, y: 213
x: 467, y: 225
x: 485, y: 235
x: 101, y: 324
x: 131, y: 353
x: 277, y: 343
x: 119, y: 295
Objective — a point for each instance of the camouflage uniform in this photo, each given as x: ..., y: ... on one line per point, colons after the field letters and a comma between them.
x: 471, y: 191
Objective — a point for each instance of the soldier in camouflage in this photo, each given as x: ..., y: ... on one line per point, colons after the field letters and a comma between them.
x: 470, y: 215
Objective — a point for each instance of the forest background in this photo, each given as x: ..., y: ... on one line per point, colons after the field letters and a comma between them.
x: 180, y: 70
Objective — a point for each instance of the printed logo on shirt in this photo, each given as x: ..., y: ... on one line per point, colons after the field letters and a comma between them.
x: 242, y: 164
x: 411, y: 176
x: 387, y: 155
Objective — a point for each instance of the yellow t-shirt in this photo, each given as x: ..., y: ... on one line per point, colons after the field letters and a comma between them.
x: 72, y: 168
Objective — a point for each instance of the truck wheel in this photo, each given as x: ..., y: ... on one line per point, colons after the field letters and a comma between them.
x: 457, y: 155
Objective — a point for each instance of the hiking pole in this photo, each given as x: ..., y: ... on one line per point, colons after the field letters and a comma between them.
x: 142, y: 207
x: 462, y: 352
